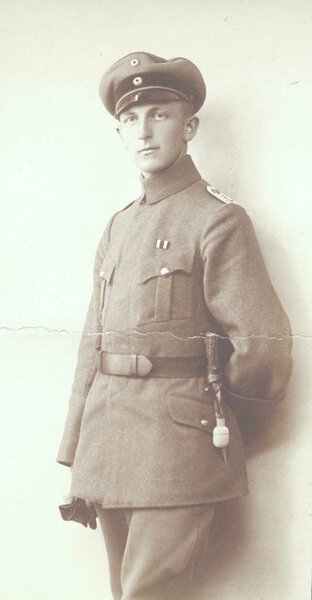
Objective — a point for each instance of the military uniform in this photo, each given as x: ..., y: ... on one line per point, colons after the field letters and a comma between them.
x: 178, y: 264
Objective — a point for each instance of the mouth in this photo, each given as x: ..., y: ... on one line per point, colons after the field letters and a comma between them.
x: 148, y: 150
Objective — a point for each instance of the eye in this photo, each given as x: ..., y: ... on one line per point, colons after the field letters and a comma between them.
x: 129, y: 119
x: 159, y: 115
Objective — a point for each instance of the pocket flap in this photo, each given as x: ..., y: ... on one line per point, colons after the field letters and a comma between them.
x: 165, y: 264
x: 192, y: 412
x: 107, y: 268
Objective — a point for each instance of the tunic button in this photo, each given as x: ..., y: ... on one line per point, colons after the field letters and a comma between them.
x: 164, y: 271
x: 204, y: 422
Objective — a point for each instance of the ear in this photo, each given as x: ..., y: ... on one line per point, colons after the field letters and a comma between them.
x: 118, y: 129
x: 191, y: 127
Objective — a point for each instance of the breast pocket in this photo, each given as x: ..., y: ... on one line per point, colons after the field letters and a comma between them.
x: 165, y: 287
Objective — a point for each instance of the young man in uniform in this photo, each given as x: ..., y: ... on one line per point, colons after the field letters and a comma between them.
x: 151, y: 433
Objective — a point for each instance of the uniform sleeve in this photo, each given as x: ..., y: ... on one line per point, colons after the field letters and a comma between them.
x: 240, y: 296
x: 86, y: 362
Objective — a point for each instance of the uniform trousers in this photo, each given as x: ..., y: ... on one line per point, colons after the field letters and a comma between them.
x: 154, y: 553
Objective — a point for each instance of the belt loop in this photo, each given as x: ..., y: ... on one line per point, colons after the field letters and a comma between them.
x: 136, y: 365
x: 102, y: 295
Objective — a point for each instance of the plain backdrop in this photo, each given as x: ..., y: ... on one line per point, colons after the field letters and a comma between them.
x: 63, y: 173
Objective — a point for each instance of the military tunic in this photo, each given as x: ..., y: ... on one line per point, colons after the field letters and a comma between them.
x: 146, y: 441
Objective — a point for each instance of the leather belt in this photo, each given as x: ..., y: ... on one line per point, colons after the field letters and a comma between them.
x: 137, y: 365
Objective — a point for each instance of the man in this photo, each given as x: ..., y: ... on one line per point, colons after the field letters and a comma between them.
x: 152, y: 438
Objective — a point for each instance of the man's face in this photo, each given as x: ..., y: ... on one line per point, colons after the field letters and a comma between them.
x: 156, y: 135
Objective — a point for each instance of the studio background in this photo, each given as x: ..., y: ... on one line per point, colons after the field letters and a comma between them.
x: 63, y: 174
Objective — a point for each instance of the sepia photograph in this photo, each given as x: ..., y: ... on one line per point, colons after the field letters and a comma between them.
x: 156, y: 323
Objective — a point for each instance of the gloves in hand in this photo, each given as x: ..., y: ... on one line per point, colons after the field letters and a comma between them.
x: 81, y: 512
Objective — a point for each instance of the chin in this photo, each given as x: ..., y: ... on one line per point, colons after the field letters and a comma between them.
x: 154, y: 170
x: 153, y: 166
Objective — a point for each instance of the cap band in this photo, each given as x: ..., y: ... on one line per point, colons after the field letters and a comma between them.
x: 143, y: 81
x: 148, y: 95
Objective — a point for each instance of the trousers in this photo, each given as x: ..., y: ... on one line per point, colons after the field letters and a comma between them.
x: 154, y: 553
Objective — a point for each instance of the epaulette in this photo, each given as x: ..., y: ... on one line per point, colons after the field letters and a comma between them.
x: 212, y: 190
x: 127, y: 206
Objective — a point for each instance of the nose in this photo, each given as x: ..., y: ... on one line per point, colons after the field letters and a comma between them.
x: 144, y: 127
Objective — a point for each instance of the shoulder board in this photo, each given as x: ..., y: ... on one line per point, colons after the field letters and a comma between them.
x: 212, y: 190
x: 127, y: 206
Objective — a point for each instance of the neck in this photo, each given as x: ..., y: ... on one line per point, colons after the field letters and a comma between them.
x: 178, y: 176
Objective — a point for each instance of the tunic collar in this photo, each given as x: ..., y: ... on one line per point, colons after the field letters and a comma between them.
x: 174, y: 179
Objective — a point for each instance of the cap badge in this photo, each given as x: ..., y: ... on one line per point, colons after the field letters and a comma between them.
x: 137, y: 81
x: 134, y: 62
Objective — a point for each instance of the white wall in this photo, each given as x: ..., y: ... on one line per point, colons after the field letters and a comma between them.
x: 63, y: 173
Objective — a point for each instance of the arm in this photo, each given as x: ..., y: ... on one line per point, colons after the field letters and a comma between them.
x: 86, y: 362
x: 240, y: 296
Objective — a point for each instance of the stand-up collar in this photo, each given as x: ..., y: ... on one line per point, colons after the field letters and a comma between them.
x: 174, y: 179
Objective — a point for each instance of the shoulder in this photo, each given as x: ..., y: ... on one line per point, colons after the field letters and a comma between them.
x: 127, y: 206
x: 121, y: 211
x: 210, y: 204
x: 229, y: 217
x: 229, y: 226
x: 221, y: 207
x: 107, y: 231
x: 222, y: 218
x: 213, y: 192
x: 206, y: 198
